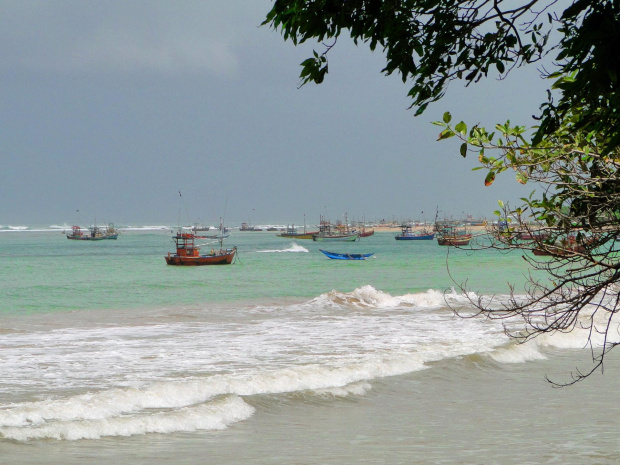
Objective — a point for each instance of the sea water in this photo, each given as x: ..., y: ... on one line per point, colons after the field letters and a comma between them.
x: 108, y: 355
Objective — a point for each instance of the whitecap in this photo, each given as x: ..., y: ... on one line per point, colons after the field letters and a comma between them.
x: 215, y: 415
x: 294, y: 248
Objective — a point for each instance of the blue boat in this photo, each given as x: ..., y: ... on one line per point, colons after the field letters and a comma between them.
x: 346, y: 256
x: 408, y: 235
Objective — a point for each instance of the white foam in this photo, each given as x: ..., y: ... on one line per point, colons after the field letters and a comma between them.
x: 368, y: 296
x: 153, y: 377
x: 294, y: 248
x: 216, y: 415
x: 184, y: 405
x: 146, y: 228
x: 355, y: 389
x: 518, y: 353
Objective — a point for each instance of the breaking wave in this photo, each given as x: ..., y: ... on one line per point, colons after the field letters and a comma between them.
x: 294, y: 248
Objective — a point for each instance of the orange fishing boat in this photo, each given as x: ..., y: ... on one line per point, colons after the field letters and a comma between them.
x: 188, y: 253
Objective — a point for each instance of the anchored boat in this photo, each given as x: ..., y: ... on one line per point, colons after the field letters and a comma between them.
x: 188, y: 252
x: 451, y: 235
x: 94, y: 234
x: 346, y: 256
x: 292, y: 233
x: 328, y: 232
x: 407, y: 234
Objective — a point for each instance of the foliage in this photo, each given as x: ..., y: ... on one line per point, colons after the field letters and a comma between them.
x: 571, y: 231
x: 429, y: 41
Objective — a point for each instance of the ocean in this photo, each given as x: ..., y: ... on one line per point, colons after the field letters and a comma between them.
x: 108, y: 355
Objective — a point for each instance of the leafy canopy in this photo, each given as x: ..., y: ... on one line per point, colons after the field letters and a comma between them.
x: 432, y: 42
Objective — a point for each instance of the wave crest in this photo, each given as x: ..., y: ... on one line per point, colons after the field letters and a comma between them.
x: 294, y: 248
x: 369, y: 297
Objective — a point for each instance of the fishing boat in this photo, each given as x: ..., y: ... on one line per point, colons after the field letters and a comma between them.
x: 247, y: 227
x: 347, y: 256
x: 200, y: 227
x: 450, y: 235
x: 329, y: 232
x: 532, y: 236
x: 188, y: 252
x: 94, y: 234
x: 567, y: 247
x: 471, y: 221
x: 363, y: 231
x: 222, y: 233
x: 407, y: 234
x: 457, y: 240
x: 291, y: 232
x: 366, y: 232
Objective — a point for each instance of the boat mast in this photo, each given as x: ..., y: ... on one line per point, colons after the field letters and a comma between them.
x: 221, y: 234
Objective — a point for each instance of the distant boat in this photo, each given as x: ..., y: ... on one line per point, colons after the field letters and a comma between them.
x: 328, y: 232
x: 532, y: 236
x: 346, y: 256
x: 94, y: 234
x: 197, y: 227
x: 457, y: 240
x: 368, y: 233
x: 407, y: 234
x: 292, y: 233
x: 567, y: 247
x: 223, y: 232
x: 450, y: 235
x: 246, y: 227
x: 475, y: 221
x: 364, y: 232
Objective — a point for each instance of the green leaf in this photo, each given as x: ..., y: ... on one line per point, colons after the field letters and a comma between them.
x: 464, y: 149
x: 522, y: 178
x: 500, y: 203
x: 490, y: 178
x: 447, y: 117
x: 445, y: 134
x: 461, y: 127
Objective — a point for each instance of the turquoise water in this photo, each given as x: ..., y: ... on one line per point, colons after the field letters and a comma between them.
x: 45, y: 272
x: 108, y: 355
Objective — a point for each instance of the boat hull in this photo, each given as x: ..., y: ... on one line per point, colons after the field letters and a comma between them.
x: 346, y: 256
x: 420, y: 237
x: 298, y: 236
x: 225, y: 258
x: 89, y: 238
x: 454, y: 241
x: 335, y: 238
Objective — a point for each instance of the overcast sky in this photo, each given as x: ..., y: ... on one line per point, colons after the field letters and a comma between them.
x: 113, y: 107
